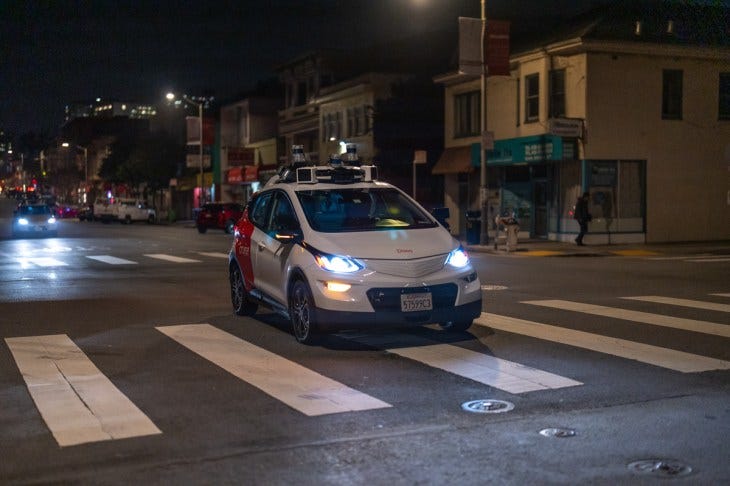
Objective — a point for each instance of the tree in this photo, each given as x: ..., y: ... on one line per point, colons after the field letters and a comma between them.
x: 143, y: 164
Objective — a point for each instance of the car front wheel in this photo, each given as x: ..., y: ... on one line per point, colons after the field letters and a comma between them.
x: 202, y: 229
x: 242, y: 304
x: 302, y: 313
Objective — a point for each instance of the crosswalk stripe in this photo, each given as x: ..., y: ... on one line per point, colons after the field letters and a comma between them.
x: 721, y: 295
x: 496, y: 372
x: 41, y: 262
x: 696, y: 304
x: 77, y: 402
x: 709, y: 260
x: 301, y: 388
x: 654, y: 355
x: 111, y: 260
x: 636, y: 316
x: 214, y: 254
x: 171, y: 258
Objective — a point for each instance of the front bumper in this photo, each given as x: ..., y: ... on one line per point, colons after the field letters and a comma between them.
x: 375, y: 301
x: 328, y: 320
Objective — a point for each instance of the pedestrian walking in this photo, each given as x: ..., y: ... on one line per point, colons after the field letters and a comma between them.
x: 582, y: 216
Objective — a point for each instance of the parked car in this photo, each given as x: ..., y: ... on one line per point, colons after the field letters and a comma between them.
x: 125, y: 210
x: 332, y: 248
x: 64, y: 211
x: 219, y: 216
x: 34, y: 220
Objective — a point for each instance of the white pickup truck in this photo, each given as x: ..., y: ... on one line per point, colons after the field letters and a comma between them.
x: 124, y: 210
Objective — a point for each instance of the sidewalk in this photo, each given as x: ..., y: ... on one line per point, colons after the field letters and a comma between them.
x: 546, y: 248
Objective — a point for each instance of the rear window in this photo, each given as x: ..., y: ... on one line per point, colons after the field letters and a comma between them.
x: 361, y: 209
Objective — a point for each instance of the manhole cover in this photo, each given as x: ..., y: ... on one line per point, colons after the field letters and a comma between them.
x: 487, y: 406
x: 494, y: 287
x: 557, y: 432
x: 668, y: 468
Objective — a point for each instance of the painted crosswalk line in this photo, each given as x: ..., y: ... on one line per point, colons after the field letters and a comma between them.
x: 696, y: 304
x: 496, y: 372
x: 111, y: 260
x: 170, y: 258
x: 636, y: 316
x: 644, y: 353
x: 77, y: 402
x: 721, y: 295
x: 41, y: 262
x: 301, y: 388
x: 213, y: 254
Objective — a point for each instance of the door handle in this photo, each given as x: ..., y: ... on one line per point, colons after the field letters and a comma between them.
x: 261, y: 246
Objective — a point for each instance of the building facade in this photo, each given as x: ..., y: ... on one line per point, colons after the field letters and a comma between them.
x: 635, y: 112
x: 248, y: 146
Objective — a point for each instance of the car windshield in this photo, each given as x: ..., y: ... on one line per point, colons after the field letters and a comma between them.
x: 361, y: 209
x: 30, y: 210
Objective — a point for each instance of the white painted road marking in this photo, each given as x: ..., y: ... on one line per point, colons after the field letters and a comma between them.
x: 297, y: 386
x: 643, y: 317
x: 654, y: 355
x: 41, y: 262
x: 111, y: 260
x: 214, y: 254
x: 77, y: 402
x: 496, y: 372
x: 170, y: 258
x: 696, y: 304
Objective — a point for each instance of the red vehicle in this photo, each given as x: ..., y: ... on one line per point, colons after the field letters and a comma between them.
x: 219, y: 216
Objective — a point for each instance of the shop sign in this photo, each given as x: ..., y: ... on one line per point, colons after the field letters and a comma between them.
x: 540, y: 148
x: 566, y: 127
x: 238, y: 156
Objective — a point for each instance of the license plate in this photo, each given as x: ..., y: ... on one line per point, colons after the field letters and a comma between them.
x: 416, y: 302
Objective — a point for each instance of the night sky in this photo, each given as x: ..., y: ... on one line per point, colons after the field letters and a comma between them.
x: 57, y: 52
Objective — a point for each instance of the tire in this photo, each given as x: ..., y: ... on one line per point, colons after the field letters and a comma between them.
x: 151, y: 219
x: 230, y: 224
x: 302, y: 313
x: 455, y: 326
x: 242, y: 304
x: 202, y: 229
x: 127, y: 219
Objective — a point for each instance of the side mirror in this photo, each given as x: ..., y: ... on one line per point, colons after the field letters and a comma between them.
x: 288, y: 236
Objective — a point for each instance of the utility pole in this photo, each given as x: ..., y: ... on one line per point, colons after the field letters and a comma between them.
x: 484, y: 235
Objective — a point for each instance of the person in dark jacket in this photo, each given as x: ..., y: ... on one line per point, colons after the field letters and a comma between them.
x: 582, y: 215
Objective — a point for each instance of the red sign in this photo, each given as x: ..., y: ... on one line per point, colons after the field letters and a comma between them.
x: 238, y: 175
x: 240, y: 156
x: 497, y: 47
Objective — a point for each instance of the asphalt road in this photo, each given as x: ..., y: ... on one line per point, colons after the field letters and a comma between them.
x: 627, y: 356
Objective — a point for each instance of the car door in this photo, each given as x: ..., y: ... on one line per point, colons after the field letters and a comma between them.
x: 271, y: 254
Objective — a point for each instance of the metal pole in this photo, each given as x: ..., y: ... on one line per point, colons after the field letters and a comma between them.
x: 483, y: 235
x: 200, y: 152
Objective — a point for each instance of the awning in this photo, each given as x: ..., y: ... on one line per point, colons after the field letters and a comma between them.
x: 454, y: 160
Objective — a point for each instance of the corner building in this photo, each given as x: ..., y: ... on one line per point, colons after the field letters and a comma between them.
x: 630, y: 103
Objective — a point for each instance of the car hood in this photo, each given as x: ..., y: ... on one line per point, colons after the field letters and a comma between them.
x: 389, y: 244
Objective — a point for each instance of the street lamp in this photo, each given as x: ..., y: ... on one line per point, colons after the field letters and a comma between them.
x: 171, y: 97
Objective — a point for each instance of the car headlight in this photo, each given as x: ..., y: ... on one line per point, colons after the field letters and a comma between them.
x: 22, y: 221
x: 51, y: 220
x: 336, y: 263
x: 458, y: 258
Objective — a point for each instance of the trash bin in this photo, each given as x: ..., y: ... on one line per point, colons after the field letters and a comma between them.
x: 473, y: 227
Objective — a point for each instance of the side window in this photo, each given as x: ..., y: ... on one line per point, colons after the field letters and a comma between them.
x: 283, y: 218
x: 259, y: 210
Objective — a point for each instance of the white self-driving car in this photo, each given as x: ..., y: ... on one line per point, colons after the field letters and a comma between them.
x: 332, y: 248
